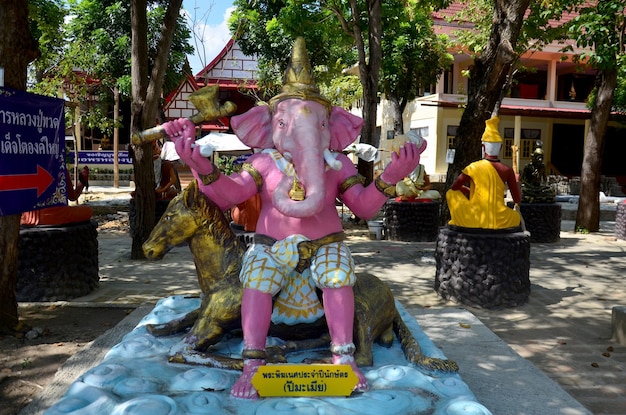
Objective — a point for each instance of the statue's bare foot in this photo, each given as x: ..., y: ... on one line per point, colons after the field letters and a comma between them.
x: 243, y: 388
x: 347, y: 359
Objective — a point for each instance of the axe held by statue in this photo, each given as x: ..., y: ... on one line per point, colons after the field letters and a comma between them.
x: 206, y: 102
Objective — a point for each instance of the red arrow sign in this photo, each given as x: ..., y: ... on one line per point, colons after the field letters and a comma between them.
x: 40, y: 180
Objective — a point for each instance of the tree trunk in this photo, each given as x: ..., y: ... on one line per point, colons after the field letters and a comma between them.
x: 396, y: 112
x: 488, y: 75
x: 17, y: 49
x: 368, y: 132
x: 116, y: 137
x: 370, y: 59
x: 9, y: 240
x: 146, y: 94
x: 369, y: 74
x: 588, y: 214
x: 145, y: 199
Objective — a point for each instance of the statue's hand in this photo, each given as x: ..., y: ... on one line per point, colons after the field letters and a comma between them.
x: 403, y: 162
x: 183, y: 133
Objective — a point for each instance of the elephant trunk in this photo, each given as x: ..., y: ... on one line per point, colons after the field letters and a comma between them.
x: 310, y: 169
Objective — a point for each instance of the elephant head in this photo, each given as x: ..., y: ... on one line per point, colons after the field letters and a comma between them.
x: 303, y: 126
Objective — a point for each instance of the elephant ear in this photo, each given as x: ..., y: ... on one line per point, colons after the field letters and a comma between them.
x: 344, y: 128
x: 254, y: 127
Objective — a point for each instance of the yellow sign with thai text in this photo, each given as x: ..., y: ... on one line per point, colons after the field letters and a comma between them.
x: 304, y: 380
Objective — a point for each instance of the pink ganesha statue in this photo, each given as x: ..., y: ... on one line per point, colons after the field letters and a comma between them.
x: 298, y: 170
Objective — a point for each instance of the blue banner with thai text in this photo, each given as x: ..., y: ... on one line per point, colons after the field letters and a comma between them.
x: 32, y: 152
x: 100, y: 157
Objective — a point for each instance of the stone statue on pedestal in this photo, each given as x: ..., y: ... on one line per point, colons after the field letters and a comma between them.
x: 533, y: 178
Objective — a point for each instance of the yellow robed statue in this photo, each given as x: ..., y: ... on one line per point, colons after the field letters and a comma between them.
x: 476, y: 199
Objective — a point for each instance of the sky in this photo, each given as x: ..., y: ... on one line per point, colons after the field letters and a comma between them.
x: 210, y: 18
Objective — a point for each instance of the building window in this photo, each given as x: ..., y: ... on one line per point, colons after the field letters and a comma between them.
x: 508, y: 151
x: 529, y: 137
x: 451, y: 134
x: 425, y: 90
x: 422, y: 131
x: 527, y: 148
x: 447, y: 82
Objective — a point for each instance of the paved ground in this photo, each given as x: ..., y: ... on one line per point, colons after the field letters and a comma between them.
x: 564, y: 330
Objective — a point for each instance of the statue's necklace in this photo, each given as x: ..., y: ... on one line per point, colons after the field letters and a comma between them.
x: 297, y: 191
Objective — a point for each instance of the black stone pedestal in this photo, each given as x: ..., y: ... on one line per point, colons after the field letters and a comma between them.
x: 543, y: 221
x: 57, y: 262
x: 620, y: 221
x: 483, y: 268
x: 411, y: 221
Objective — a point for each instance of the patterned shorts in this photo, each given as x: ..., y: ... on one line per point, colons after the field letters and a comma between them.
x: 271, y: 270
x: 331, y: 267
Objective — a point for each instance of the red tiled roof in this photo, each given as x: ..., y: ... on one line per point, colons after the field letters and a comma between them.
x: 527, y: 111
x: 442, y: 16
x: 449, y: 11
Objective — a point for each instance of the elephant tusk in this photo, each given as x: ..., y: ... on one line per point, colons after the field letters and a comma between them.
x: 332, y: 161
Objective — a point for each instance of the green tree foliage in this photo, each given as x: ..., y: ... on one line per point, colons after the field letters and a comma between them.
x: 343, y: 91
x: 102, y: 28
x: 267, y: 29
x: 94, y: 44
x: 390, y: 41
x: 619, y: 100
x: 600, y: 28
x: 46, y: 18
x: 413, y: 56
x: 540, y: 27
x: 335, y: 32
